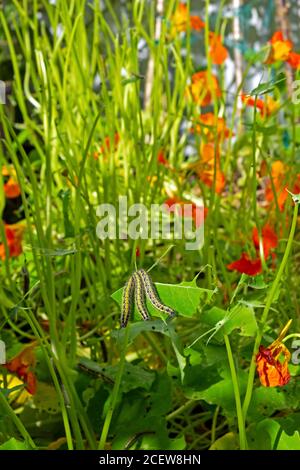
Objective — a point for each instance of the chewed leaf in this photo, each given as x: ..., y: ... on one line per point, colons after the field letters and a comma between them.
x: 184, y: 298
x: 240, y: 317
x: 46, y: 399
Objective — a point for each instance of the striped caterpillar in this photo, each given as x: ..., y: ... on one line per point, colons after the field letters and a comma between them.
x: 138, y: 287
x: 127, y: 301
x: 152, y: 294
x: 139, y: 296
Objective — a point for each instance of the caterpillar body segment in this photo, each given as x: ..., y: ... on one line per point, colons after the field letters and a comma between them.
x: 127, y: 301
x: 139, y: 296
x: 152, y: 294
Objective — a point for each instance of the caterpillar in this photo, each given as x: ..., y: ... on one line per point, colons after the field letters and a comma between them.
x: 139, y: 296
x: 152, y: 294
x: 127, y: 301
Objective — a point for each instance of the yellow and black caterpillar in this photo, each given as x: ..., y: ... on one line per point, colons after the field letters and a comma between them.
x: 139, y: 287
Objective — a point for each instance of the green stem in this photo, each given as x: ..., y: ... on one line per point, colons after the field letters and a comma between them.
x: 115, y: 393
x: 264, y: 317
x: 180, y: 410
x: 237, y: 396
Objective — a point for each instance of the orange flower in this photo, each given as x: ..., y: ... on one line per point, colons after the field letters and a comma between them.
x: 22, y: 364
x: 217, y: 51
x: 205, y: 168
x: 206, y: 175
x: 266, y: 108
x: 208, y: 151
x: 211, y: 126
x: 14, y: 234
x: 11, y: 186
x: 246, y: 265
x: 269, y: 239
x: 204, y: 88
x: 271, y: 370
x: 181, y: 20
x: 105, y: 148
x: 280, y: 48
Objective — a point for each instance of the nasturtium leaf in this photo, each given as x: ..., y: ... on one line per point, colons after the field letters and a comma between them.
x: 290, y: 423
x: 241, y: 317
x: 14, y: 444
x: 267, y: 400
x: 184, y: 298
x: 141, y: 423
x: 229, y: 441
x: 219, y: 391
x: 133, y: 376
x: 269, y: 435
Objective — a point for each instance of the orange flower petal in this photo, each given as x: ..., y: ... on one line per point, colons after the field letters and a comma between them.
x: 21, y: 365
x: 203, y: 89
x: 294, y: 60
x: 280, y: 48
x: 217, y: 51
x: 211, y: 126
x: 271, y: 371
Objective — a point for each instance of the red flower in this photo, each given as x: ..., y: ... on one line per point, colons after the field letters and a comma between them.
x: 252, y: 267
x: 162, y: 159
x: 14, y: 234
x: 11, y: 186
x: 245, y: 265
x: 272, y: 372
x: 105, y: 148
x: 269, y: 239
x: 22, y: 364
